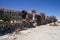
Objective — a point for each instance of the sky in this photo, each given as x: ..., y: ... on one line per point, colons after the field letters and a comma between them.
x: 49, y: 7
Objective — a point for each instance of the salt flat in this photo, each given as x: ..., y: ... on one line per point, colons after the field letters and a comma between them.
x: 43, y: 32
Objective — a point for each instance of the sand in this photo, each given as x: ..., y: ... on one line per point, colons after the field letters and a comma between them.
x: 43, y: 32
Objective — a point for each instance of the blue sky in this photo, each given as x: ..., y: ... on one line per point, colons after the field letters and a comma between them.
x: 49, y: 7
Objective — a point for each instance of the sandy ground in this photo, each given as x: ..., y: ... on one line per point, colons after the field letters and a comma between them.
x: 43, y: 32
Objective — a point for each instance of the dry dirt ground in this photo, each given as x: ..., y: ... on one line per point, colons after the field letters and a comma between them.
x: 43, y: 32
